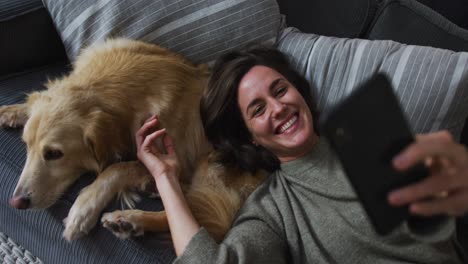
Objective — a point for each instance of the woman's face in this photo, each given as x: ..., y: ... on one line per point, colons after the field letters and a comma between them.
x: 276, y: 113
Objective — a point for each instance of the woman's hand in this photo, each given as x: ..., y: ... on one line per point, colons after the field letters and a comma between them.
x: 163, y: 165
x: 159, y: 162
x: 445, y: 191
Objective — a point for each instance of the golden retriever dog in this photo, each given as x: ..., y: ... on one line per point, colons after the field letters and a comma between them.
x: 86, y: 121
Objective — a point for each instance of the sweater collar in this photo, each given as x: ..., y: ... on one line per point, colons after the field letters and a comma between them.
x: 318, y: 153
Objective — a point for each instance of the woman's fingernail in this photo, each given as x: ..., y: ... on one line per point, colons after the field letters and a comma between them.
x: 414, y: 209
x: 399, y: 161
x: 394, y: 198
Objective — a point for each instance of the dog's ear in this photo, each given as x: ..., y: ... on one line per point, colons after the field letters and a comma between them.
x: 106, y: 137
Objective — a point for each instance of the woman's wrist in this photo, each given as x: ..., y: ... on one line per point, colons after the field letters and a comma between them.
x: 166, y: 177
x: 182, y: 223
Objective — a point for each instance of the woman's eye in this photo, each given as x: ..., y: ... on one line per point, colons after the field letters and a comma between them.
x: 258, y: 110
x: 281, y: 91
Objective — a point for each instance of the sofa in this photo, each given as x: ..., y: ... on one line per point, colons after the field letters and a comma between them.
x: 331, y: 40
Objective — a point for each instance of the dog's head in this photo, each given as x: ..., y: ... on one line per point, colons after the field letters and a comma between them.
x: 64, y: 140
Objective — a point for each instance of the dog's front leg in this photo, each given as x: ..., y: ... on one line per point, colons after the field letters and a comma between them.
x: 117, y: 178
x: 13, y: 116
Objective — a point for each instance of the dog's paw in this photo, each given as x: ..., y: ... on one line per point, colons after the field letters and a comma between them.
x: 12, y: 116
x: 122, y: 224
x: 71, y: 232
x: 79, y: 222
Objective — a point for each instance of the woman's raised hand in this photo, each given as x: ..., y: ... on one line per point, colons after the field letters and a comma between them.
x: 445, y: 191
x: 160, y: 162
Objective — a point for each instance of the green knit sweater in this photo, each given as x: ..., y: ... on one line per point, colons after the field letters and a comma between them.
x: 308, y: 213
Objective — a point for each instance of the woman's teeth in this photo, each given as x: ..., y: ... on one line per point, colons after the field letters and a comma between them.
x: 288, y: 124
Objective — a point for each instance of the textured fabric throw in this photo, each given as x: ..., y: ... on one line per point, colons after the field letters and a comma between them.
x: 432, y: 84
x: 198, y: 29
x: 12, y: 253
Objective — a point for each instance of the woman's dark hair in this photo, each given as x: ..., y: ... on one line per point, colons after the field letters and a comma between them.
x: 219, y: 109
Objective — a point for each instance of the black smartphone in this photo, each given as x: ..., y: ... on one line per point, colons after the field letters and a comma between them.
x: 366, y: 130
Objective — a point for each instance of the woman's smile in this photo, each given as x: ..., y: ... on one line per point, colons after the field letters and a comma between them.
x: 289, y: 126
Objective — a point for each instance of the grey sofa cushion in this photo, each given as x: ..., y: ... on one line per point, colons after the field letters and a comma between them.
x: 40, y: 231
x: 410, y: 22
x: 432, y: 84
x: 28, y: 38
x: 10, y: 8
x: 200, y: 30
x: 337, y: 18
x: 453, y: 10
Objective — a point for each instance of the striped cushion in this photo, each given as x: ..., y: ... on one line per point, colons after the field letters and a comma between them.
x: 10, y: 9
x: 432, y: 84
x: 198, y: 29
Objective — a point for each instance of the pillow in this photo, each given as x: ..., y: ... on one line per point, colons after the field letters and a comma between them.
x: 199, y: 29
x: 432, y: 84
x: 338, y: 18
x: 411, y: 22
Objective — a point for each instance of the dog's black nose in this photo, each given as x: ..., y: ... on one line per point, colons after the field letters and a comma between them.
x: 20, y: 202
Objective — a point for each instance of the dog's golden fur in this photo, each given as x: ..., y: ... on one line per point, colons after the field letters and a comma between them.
x: 86, y: 121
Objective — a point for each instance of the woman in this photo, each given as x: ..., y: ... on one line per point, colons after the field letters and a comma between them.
x: 257, y: 112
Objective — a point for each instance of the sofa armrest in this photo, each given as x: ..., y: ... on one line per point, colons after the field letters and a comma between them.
x: 28, y: 37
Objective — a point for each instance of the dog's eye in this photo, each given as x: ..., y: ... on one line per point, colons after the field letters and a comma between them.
x: 52, y: 154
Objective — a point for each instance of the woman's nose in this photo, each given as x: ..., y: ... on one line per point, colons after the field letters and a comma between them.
x: 278, y: 109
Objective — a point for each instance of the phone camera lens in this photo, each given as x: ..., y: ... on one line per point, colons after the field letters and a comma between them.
x: 339, y: 132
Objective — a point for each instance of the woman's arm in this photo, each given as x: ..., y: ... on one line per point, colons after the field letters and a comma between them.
x: 182, y: 224
x: 445, y: 191
x: 164, y: 168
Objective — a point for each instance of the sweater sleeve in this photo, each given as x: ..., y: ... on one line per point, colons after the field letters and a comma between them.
x: 250, y: 241
x: 431, y: 229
